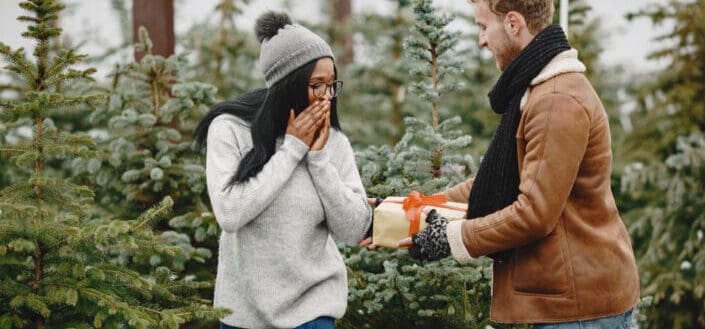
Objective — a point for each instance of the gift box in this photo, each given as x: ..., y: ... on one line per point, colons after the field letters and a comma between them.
x: 398, y: 217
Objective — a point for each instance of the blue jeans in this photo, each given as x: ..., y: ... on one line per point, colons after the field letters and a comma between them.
x: 620, y: 321
x: 323, y: 322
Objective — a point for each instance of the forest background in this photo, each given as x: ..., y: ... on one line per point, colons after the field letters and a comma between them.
x: 104, y: 217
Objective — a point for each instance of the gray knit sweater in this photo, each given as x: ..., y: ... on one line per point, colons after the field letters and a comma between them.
x: 278, y: 265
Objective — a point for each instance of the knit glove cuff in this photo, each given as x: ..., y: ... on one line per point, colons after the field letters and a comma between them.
x: 432, y: 242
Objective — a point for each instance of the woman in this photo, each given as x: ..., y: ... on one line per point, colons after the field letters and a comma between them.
x: 283, y: 184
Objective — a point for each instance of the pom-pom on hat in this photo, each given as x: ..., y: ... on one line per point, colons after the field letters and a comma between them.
x: 286, y: 46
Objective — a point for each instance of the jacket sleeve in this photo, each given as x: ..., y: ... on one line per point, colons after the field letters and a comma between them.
x: 459, y: 192
x: 348, y: 215
x: 556, y: 132
x: 236, y: 206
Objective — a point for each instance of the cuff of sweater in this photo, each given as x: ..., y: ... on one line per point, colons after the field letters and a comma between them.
x: 318, y: 159
x: 455, y: 240
x: 297, y: 147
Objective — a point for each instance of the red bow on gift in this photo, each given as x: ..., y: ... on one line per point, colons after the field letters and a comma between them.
x: 414, y: 203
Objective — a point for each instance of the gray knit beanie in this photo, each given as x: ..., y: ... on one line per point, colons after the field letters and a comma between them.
x: 286, y: 46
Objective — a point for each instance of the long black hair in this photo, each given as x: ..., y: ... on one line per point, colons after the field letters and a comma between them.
x: 267, y: 112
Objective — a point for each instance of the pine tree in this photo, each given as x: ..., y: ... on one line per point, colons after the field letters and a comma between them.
x: 151, y: 115
x: 225, y: 56
x: 60, y: 261
x: 471, y: 103
x: 667, y: 178
x: 374, y: 108
x: 433, y: 52
x: 674, y: 94
x: 428, y: 158
x: 387, y: 288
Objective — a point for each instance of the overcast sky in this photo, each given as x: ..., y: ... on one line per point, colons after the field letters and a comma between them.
x: 628, y: 44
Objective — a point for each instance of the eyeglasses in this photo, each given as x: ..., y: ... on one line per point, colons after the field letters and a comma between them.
x: 320, y: 88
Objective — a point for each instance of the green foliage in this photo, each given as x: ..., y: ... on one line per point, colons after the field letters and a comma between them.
x: 224, y: 55
x: 388, y: 289
x: 666, y: 179
x: 61, y: 263
x: 410, y: 164
x: 668, y: 233
x: 147, y: 151
x: 432, y: 51
x: 428, y: 157
x: 144, y: 172
x: 375, y: 100
x: 671, y: 103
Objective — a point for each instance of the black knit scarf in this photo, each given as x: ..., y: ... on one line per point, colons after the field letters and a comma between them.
x: 496, y: 184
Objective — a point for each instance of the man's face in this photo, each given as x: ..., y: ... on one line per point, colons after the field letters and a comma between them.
x: 494, y: 35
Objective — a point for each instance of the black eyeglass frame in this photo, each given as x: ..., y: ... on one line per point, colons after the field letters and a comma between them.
x: 335, y: 88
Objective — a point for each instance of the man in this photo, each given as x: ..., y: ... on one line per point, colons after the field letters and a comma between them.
x: 541, y: 203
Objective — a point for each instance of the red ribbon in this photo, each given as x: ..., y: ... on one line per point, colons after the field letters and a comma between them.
x: 414, y: 203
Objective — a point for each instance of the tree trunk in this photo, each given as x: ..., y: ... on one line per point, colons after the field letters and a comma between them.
x: 341, y: 24
x: 396, y: 87
x: 158, y: 17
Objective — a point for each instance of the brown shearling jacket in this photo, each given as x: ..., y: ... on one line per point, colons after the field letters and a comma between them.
x: 571, y: 257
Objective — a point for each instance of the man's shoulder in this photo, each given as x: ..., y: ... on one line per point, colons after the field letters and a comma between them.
x: 571, y: 83
x: 574, y: 85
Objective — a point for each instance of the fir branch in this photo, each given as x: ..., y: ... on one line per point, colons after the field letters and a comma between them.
x: 16, y: 260
x: 60, y: 185
x: 64, y: 59
x: 199, y: 312
x: 154, y: 214
x: 4, y: 86
x: 32, y: 302
x: 14, y: 190
x: 122, y: 279
x: 70, y: 76
x: 12, y: 112
x: 28, y: 19
x: 19, y: 63
x: 17, y: 149
x: 56, y: 147
x: 77, y: 139
x: 6, y: 103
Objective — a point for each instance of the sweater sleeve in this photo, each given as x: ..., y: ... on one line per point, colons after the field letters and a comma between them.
x: 348, y: 215
x: 239, y: 204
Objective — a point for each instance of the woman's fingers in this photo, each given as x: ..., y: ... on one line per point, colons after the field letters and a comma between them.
x: 367, y: 243
x: 314, y: 112
x: 321, y: 138
x: 309, y: 122
x: 324, y: 114
x: 292, y: 117
x: 316, y: 118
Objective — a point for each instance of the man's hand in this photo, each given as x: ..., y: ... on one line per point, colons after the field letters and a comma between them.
x: 432, y: 242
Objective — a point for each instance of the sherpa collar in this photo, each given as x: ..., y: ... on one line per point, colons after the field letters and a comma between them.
x: 565, y: 62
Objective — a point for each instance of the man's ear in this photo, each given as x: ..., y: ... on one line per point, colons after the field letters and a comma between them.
x: 514, y: 23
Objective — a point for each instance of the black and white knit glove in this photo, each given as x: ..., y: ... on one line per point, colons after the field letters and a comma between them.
x: 431, y: 243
